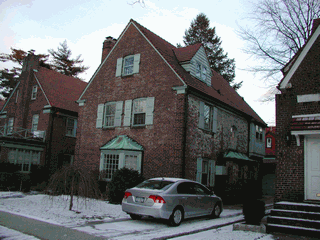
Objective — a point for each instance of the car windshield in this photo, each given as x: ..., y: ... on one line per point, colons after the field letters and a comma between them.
x: 155, y: 184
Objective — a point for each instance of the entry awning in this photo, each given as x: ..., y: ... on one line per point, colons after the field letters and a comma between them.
x: 122, y: 142
x: 237, y: 155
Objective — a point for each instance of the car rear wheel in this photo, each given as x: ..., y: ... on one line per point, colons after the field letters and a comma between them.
x: 176, y: 217
x: 216, y: 211
x: 135, y: 217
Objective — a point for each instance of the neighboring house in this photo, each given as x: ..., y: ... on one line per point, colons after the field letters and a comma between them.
x: 269, y: 163
x: 159, y: 109
x: 298, y: 125
x: 39, y: 118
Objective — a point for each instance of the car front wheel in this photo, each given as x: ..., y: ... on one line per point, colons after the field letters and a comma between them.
x: 216, y: 211
x: 176, y: 217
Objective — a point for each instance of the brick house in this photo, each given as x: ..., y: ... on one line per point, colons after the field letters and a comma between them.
x: 39, y: 119
x: 298, y: 125
x: 160, y: 110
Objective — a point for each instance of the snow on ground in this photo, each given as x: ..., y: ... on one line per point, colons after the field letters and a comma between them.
x: 10, y: 234
x: 102, y: 219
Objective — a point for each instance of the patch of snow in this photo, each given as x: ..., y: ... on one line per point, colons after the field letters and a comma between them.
x: 11, y: 195
x: 10, y: 234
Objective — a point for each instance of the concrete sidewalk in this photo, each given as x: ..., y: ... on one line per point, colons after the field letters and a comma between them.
x: 42, y: 230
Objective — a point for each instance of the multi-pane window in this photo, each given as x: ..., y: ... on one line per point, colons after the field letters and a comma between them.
x: 128, y: 63
x: 259, y: 133
x: 10, y: 126
x: 34, y: 92
x: 110, y: 164
x: 139, y: 111
x: 207, y: 117
x: 24, y: 158
x: 71, y: 127
x: 35, y: 121
x: 201, y: 72
x: 112, y: 160
x: 110, y: 111
x: 206, y: 171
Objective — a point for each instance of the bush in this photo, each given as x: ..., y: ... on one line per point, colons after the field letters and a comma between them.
x: 253, y: 211
x: 122, y: 179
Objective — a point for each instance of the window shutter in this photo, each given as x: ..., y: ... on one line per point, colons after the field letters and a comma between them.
x: 215, y: 120
x: 201, y: 115
x: 119, y: 67
x: 117, y: 117
x: 199, y: 170
x: 136, y: 63
x: 149, y: 111
x: 75, y: 128
x: 100, y: 116
x: 212, y: 172
x: 127, y: 113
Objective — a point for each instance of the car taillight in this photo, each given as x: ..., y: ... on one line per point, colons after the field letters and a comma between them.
x: 127, y: 194
x: 157, y: 199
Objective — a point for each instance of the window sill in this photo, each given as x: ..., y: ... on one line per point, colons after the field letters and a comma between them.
x: 138, y: 126
x: 207, y: 131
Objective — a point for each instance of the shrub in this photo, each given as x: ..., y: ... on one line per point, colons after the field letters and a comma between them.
x: 122, y: 179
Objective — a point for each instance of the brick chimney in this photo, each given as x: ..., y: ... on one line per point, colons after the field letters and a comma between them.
x: 30, y: 62
x: 107, y: 46
x: 315, y: 25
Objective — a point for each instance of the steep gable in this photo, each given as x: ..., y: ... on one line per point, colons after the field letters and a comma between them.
x: 60, y: 90
x: 296, y: 61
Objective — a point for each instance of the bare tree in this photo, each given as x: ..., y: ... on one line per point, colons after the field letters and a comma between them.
x: 74, y: 181
x: 281, y: 28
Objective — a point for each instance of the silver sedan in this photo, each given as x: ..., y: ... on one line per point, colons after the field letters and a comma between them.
x: 173, y: 199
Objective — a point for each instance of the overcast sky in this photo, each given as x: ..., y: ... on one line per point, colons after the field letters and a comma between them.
x: 42, y: 25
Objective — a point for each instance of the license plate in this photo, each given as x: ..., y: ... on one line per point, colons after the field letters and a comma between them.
x: 139, y: 199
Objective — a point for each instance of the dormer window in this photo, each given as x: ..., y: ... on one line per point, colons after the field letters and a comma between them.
x: 201, y: 72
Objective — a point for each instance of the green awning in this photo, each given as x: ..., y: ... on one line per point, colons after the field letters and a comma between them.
x: 122, y: 142
x: 237, y: 155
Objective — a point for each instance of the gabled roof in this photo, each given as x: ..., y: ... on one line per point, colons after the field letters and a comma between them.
x: 173, y: 56
x: 60, y: 90
x: 220, y: 89
x: 295, y: 62
x: 185, y: 54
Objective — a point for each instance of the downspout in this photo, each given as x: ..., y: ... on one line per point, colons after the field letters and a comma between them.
x: 48, y: 153
x: 184, y: 139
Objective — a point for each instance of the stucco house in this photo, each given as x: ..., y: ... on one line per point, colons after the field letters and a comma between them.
x: 39, y: 119
x: 160, y: 110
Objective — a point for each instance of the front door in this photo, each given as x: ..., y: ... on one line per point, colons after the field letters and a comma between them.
x: 312, y: 172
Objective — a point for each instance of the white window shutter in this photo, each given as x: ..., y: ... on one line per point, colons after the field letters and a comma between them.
x: 136, y: 63
x: 117, y: 117
x: 119, y: 67
x: 201, y: 115
x: 215, y: 120
x: 199, y: 170
x: 149, y: 111
x: 212, y: 172
x: 127, y: 113
x: 100, y: 116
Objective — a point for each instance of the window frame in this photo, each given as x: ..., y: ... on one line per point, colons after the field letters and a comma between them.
x: 109, y: 115
x: 208, y: 120
x: 134, y: 112
x: 269, y: 142
x: 10, y: 126
x: 34, y: 92
x: 73, y: 132
x: 259, y: 133
x: 33, y: 123
x: 15, y: 153
x: 131, y: 66
x: 122, y: 156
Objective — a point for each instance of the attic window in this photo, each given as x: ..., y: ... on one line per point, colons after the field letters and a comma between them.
x: 34, y: 92
x: 128, y: 65
x: 201, y: 72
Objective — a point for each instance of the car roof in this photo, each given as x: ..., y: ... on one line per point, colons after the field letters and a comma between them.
x: 170, y: 179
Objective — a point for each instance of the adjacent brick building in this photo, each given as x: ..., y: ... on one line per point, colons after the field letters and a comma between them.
x: 298, y: 125
x: 39, y: 119
x: 161, y: 110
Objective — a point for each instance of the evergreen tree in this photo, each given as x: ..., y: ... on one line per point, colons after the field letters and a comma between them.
x: 9, y: 77
x: 63, y: 63
x: 200, y: 32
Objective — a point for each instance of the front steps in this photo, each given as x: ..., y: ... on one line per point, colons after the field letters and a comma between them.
x: 294, y: 218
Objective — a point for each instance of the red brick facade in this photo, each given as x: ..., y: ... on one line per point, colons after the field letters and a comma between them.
x: 290, y: 184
